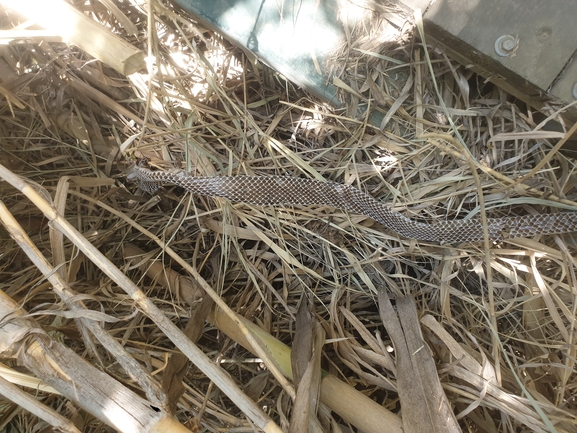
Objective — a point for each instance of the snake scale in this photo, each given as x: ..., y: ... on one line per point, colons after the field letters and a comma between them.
x: 284, y: 190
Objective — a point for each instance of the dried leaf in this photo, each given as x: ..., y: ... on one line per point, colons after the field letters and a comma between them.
x: 423, y: 402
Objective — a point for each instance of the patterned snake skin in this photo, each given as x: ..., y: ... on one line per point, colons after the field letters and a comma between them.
x: 280, y: 190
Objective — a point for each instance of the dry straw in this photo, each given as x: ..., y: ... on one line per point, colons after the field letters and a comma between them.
x: 493, y: 325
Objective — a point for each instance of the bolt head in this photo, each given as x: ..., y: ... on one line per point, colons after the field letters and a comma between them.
x: 505, y: 45
x: 508, y: 45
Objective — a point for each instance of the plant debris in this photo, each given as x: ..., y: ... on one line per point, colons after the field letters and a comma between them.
x: 497, y: 321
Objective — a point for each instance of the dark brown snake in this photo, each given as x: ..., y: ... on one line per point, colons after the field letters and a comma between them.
x: 281, y: 190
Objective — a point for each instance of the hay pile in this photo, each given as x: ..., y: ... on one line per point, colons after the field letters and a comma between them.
x: 497, y: 321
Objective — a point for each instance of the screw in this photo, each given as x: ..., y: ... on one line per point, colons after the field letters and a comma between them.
x: 506, y: 45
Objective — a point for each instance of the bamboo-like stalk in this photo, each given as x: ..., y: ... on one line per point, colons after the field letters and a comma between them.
x: 214, y: 372
x: 208, y: 107
x: 133, y: 368
x: 32, y: 405
x: 72, y: 376
x: 77, y: 28
x: 26, y: 380
x: 364, y: 413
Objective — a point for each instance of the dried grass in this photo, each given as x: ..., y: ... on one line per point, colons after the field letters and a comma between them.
x: 498, y: 321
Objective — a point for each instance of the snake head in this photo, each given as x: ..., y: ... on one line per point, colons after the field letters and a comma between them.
x: 131, y: 171
x: 136, y: 172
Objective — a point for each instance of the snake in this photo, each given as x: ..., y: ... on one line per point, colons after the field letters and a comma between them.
x: 295, y: 191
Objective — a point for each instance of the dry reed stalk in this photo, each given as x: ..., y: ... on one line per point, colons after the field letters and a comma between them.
x: 499, y: 320
x: 192, y: 352
x: 80, y: 30
x: 61, y: 368
x: 27, y: 402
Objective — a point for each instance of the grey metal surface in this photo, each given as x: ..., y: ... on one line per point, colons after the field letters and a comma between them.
x: 523, y: 46
x: 565, y: 88
x: 288, y: 36
x: 546, y: 32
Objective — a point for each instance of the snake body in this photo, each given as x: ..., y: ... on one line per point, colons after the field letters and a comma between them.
x: 284, y: 190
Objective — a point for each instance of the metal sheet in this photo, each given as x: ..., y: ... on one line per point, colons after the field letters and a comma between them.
x: 546, y: 32
x: 565, y: 88
x: 288, y: 36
